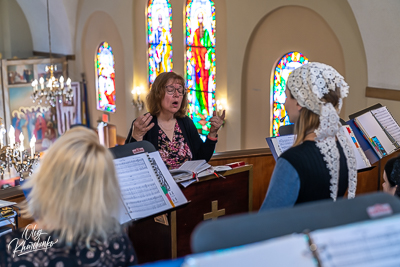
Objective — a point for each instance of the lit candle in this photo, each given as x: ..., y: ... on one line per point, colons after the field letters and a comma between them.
x: 11, y: 136
x: 32, y: 144
x: 69, y: 83
x: 33, y: 85
x: 62, y: 82
x: 2, y: 132
x: 41, y: 81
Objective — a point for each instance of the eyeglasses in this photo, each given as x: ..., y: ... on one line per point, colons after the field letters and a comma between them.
x: 171, y: 90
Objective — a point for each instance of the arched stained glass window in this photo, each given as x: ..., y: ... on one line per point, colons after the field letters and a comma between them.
x: 159, y: 37
x: 200, y: 62
x: 105, y: 78
x: 285, y: 66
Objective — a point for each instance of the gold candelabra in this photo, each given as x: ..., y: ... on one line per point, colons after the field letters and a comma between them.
x: 14, y: 155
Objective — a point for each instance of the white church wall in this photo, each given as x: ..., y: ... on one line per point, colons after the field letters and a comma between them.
x: 15, y: 35
x: 242, y: 19
x: 60, y: 25
x: 301, y: 30
x: 379, y: 26
x: 98, y: 21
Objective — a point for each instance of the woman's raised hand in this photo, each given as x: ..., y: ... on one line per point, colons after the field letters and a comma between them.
x: 141, y: 126
x: 216, y: 123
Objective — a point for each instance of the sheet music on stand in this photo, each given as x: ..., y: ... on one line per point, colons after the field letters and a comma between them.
x: 387, y: 122
x: 147, y: 187
x: 368, y: 244
x: 280, y: 144
x: 378, y: 127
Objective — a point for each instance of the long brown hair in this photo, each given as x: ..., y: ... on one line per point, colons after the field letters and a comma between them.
x: 157, y: 94
x: 308, y: 121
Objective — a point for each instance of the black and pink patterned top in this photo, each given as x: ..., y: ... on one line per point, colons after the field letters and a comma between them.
x: 18, y: 249
x: 176, y: 151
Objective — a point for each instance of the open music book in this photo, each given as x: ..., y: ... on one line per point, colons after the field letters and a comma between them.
x: 380, y: 129
x: 191, y: 169
x: 280, y: 144
x: 146, y: 185
x: 367, y: 244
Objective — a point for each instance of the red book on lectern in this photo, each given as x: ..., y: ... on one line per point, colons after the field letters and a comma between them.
x: 236, y: 164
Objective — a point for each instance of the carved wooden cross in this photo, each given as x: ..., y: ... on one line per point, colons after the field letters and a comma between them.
x: 215, y: 213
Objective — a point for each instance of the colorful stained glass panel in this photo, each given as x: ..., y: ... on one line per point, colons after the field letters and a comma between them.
x: 285, y: 66
x: 105, y: 78
x: 200, y: 62
x: 159, y: 37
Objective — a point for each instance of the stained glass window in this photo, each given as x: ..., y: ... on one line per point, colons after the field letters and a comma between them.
x: 285, y: 66
x: 159, y: 37
x: 200, y: 62
x: 105, y: 78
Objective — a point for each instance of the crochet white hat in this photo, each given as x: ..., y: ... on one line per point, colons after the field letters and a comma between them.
x: 309, y: 84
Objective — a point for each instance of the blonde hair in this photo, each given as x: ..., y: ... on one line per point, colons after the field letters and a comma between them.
x: 157, y: 94
x: 75, y: 190
x: 308, y: 121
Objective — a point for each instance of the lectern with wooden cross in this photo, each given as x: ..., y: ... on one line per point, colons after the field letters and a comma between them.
x: 168, y: 236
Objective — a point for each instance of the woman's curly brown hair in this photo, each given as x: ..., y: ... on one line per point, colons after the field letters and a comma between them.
x: 157, y: 93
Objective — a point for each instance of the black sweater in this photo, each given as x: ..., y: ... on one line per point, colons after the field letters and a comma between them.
x: 199, y: 149
x: 313, y: 173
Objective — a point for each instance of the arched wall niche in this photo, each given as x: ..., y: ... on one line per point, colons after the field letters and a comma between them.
x: 285, y: 29
x: 100, y: 27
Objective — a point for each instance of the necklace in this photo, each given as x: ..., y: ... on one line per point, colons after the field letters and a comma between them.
x: 166, y: 129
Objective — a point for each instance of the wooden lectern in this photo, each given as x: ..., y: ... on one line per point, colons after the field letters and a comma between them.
x: 168, y: 236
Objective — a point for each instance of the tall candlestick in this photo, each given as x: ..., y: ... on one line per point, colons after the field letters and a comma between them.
x: 21, y: 146
x: 32, y: 145
x: 2, y: 132
x: 62, y: 82
x: 11, y: 136
x: 69, y: 83
x: 41, y: 81
x: 21, y: 139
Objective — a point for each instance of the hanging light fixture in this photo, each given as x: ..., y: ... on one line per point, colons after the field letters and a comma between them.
x: 51, y: 89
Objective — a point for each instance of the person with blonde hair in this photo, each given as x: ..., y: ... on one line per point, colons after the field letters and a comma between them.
x: 321, y: 163
x: 74, y: 200
x: 168, y: 127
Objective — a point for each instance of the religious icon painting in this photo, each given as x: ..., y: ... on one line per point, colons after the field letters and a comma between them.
x: 283, y: 68
x: 105, y: 78
x: 200, y: 62
x: 32, y: 119
x: 159, y: 37
x: 19, y: 74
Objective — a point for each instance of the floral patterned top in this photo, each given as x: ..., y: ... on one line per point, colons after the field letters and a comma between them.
x: 174, y: 153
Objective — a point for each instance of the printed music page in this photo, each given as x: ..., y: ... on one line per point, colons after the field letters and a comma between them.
x: 366, y: 244
x: 374, y: 131
x: 388, y: 122
x: 146, y: 186
x: 285, y: 142
x: 291, y: 250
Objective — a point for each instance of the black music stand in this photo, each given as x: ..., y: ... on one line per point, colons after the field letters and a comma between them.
x: 244, y: 229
